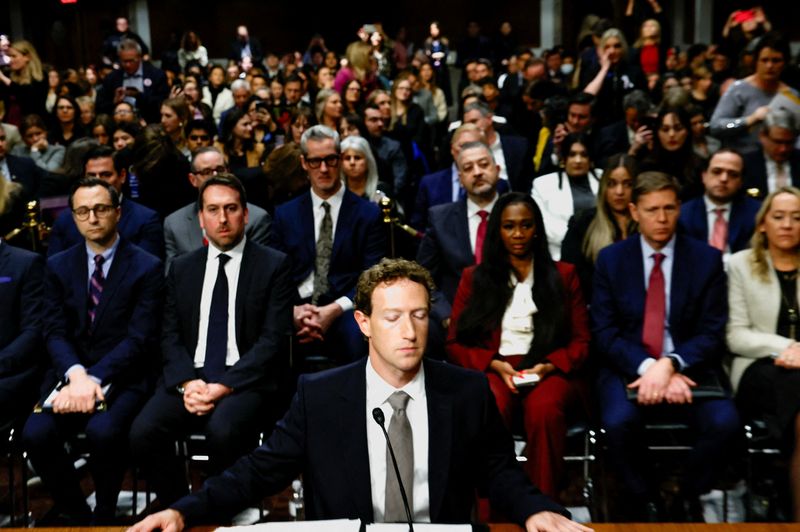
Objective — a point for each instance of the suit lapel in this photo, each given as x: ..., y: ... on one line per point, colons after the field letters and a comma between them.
x: 4, y: 255
x: 353, y: 439
x: 193, y: 232
x: 343, y: 223
x: 700, y: 218
x: 634, y: 272
x: 440, y: 435
x: 736, y: 221
x: 306, y: 220
x: 80, y: 285
x: 679, y: 284
x: 245, y: 272
x: 195, y: 272
x: 460, y: 225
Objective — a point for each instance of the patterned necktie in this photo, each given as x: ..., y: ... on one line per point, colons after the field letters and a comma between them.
x: 96, y: 286
x: 719, y: 236
x: 323, y: 260
x: 402, y: 442
x: 217, y: 336
x: 655, y: 310
x: 481, y: 236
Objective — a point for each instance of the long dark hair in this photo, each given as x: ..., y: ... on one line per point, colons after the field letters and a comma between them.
x: 226, y: 131
x: 492, y: 290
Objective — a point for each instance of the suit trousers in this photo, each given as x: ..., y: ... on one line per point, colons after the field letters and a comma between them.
x: 545, y: 410
x: 45, y: 435
x: 231, y: 430
x: 715, y: 422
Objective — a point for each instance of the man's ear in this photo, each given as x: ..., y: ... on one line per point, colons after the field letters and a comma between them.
x: 363, y: 322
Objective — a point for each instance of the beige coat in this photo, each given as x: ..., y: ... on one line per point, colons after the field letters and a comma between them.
x: 753, y: 315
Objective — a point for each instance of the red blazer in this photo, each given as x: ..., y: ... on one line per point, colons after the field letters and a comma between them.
x: 566, y: 359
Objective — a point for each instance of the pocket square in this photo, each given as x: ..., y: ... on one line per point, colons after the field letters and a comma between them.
x: 5, y: 279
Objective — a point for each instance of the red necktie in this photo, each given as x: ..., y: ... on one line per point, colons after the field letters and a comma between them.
x: 654, y: 310
x: 480, y: 237
x: 719, y: 236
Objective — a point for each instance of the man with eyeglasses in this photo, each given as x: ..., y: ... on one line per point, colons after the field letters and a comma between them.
x: 20, y: 170
x: 392, y: 164
x: 199, y: 134
x: 137, y: 223
x: 102, y: 298
x: 777, y: 163
x: 182, y: 231
x: 332, y: 236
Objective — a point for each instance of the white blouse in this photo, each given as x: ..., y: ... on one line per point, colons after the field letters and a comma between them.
x: 516, y: 332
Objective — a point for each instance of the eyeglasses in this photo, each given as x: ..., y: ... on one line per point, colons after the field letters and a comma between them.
x: 123, y: 112
x: 214, y: 170
x: 329, y: 160
x: 199, y: 137
x: 64, y: 108
x: 781, y: 142
x: 101, y: 210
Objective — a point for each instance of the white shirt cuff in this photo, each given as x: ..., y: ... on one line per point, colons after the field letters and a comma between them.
x: 345, y: 302
x: 645, y: 365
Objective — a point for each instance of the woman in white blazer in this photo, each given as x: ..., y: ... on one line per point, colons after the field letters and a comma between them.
x: 216, y: 95
x: 764, y: 324
x: 571, y: 190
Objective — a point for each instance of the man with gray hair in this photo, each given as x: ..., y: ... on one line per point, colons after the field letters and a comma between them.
x: 332, y: 235
x: 241, y: 91
x: 136, y: 81
x: 619, y: 136
x: 182, y: 231
x: 777, y: 163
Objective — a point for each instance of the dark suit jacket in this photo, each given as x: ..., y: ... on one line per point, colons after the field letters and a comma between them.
x: 25, y: 172
x: 612, y: 139
x: 755, y: 171
x: 519, y: 162
x: 148, y: 102
x: 255, y: 51
x: 21, y: 293
x: 694, y: 221
x: 445, y: 251
x: 359, y: 242
x: 263, y: 317
x: 324, y: 436
x: 392, y: 164
x: 137, y: 224
x: 698, y: 304
x: 117, y: 347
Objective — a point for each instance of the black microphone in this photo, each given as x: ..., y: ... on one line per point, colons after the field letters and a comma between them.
x: 377, y: 414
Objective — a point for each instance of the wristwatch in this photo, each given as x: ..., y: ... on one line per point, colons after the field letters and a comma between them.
x: 676, y: 365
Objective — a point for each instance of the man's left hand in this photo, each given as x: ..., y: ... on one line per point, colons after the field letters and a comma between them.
x: 327, y: 315
x: 652, y: 386
x: 215, y: 392
x: 553, y: 522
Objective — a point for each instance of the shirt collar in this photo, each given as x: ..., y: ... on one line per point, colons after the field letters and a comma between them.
x: 334, y: 201
x: 379, y: 391
x: 235, y: 252
x: 667, y: 251
x: 108, y: 254
x: 527, y: 281
x: 473, y: 208
x: 712, y: 207
x: 138, y: 74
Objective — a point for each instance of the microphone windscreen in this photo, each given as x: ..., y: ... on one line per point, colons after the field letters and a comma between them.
x: 377, y: 415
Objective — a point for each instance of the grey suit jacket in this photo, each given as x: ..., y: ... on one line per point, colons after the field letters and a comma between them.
x: 182, y: 232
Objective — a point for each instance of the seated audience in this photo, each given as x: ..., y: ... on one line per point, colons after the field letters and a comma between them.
x: 534, y: 324
x: 66, y: 122
x: 776, y: 161
x: 763, y: 328
x: 359, y: 170
x: 48, y: 157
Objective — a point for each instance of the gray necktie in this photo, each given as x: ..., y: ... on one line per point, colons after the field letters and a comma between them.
x: 323, y: 260
x: 403, y: 444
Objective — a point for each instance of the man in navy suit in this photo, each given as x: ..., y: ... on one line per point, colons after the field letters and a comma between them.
x: 455, y: 438
x: 658, y: 313
x: 20, y: 170
x: 227, y: 311
x: 137, y: 224
x: 724, y: 216
x: 21, y: 291
x: 511, y: 152
x: 103, y: 297
x: 777, y: 163
x: 331, y: 235
x: 453, y: 237
x: 137, y: 81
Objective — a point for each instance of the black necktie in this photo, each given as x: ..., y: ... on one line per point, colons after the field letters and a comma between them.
x: 217, y: 339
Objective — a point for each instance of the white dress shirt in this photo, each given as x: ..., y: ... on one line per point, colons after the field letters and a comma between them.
x: 232, y: 268
x: 306, y: 288
x: 4, y: 171
x: 455, y: 183
x: 516, y: 328
x: 474, y: 219
x: 711, y: 219
x: 378, y: 393
x: 772, y: 174
x: 499, y: 158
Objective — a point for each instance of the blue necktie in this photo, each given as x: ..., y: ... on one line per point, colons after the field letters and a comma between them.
x: 217, y: 339
x: 96, y: 286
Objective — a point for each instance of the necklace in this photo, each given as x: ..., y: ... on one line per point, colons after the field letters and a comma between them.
x: 794, y: 315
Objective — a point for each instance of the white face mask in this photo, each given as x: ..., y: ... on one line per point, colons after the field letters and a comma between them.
x: 567, y: 68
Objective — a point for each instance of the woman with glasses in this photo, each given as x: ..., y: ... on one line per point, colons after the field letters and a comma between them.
x: 125, y: 112
x: 66, y: 122
x: 353, y: 98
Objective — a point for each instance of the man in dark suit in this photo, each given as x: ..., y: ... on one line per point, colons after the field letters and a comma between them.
x: 777, y: 163
x: 21, y: 291
x: 454, y: 236
x: 618, y: 136
x: 331, y: 235
x: 182, y: 231
x: 511, y: 153
x: 100, y: 325
x: 140, y: 82
x: 137, y: 224
x: 724, y: 216
x: 227, y: 310
x: 580, y: 118
x: 392, y: 164
x: 659, y: 309
x: 246, y: 46
x: 20, y: 170
x: 446, y: 433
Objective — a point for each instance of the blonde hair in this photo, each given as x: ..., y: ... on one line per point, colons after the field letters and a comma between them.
x: 357, y: 55
x: 759, y: 263
x: 402, y: 76
x: 8, y: 192
x: 33, y: 70
x: 640, y: 41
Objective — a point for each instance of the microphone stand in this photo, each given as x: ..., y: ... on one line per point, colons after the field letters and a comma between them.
x: 377, y: 415
x: 387, y: 206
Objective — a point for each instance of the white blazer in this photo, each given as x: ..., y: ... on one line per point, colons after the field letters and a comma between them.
x: 556, y: 205
x: 223, y: 103
x: 753, y: 315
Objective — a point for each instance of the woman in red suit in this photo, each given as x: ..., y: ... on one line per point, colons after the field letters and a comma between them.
x: 528, y: 317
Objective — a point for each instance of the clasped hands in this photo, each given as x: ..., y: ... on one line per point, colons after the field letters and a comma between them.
x: 507, y: 371
x: 662, y: 383
x: 789, y: 358
x: 200, y: 397
x: 79, y: 396
x: 312, y: 322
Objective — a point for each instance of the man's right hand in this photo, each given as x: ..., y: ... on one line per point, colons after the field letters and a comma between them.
x: 168, y: 521
x: 305, y: 317
x: 194, y: 400
x: 652, y: 386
